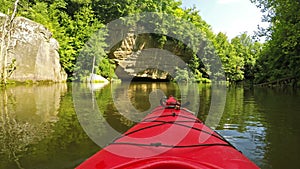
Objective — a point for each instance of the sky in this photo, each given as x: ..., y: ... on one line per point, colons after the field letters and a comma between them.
x: 231, y: 17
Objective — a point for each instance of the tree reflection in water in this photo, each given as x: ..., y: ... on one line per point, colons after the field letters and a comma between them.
x: 17, y: 132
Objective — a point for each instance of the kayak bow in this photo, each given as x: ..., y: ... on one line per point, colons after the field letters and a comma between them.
x: 169, y: 137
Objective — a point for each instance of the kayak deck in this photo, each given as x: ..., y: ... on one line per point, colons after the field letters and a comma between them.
x: 169, y: 138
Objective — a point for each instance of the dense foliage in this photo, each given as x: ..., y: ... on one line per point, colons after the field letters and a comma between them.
x: 280, y: 57
x: 73, y: 22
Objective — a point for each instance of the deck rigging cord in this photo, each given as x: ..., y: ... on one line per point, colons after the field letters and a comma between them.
x: 175, y: 122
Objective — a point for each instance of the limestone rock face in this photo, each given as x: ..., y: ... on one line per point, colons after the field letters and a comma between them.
x: 139, y: 57
x: 34, y: 50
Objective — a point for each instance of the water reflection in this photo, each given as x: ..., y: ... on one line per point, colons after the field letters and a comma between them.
x: 25, y: 113
x: 242, y: 124
x: 106, y: 114
x: 136, y: 100
x: 40, y: 127
x: 281, y: 109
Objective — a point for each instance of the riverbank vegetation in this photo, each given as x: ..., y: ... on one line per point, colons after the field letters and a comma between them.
x: 280, y: 57
x: 73, y: 22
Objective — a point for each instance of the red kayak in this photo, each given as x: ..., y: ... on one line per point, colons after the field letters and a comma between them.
x: 169, y: 137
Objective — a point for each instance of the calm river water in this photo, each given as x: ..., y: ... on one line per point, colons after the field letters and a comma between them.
x: 40, y: 128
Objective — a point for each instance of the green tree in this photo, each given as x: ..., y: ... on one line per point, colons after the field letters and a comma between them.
x: 230, y: 57
x: 74, y: 22
x: 247, y: 53
x: 280, y: 57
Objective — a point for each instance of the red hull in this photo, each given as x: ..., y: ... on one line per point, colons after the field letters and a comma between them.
x: 169, y: 138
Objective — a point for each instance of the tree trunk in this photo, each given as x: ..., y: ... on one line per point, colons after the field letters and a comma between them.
x: 2, y: 52
x: 5, y: 47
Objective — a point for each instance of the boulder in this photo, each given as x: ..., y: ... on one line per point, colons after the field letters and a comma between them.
x: 94, y: 78
x: 34, y: 50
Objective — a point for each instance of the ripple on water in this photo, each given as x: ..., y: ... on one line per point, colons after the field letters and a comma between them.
x: 251, y: 142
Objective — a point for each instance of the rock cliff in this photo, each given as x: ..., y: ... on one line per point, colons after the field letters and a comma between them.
x: 141, y: 57
x: 34, y: 50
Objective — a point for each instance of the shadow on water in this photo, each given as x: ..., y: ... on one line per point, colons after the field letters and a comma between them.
x: 40, y: 127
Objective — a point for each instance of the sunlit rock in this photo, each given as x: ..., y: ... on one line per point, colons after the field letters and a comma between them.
x: 136, y: 57
x: 34, y: 50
